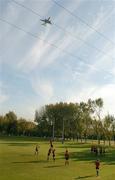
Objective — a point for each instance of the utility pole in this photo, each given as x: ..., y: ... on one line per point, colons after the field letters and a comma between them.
x: 63, y: 132
x: 53, y: 133
x: 53, y: 130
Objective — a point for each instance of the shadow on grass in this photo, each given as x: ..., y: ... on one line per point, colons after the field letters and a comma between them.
x: 76, y: 145
x: 22, y: 144
x: 83, y: 177
x: 28, y: 162
x: 22, y: 138
x: 54, y: 166
x: 85, y: 155
x: 19, y: 144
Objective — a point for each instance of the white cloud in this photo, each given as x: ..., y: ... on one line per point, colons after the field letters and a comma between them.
x: 113, y: 71
x: 28, y: 112
x: 43, y: 88
x: 3, y: 97
x: 41, y: 54
x: 52, y: 55
x: 98, y: 22
x: 33, y: 58
x: 106, y: 92
x: 100, y: 64
x: 104, y: 63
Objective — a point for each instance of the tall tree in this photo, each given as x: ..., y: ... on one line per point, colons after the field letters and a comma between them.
x: 108, y: 120
x: 86, y: 118
x: 96, y: 108
x: 11, y: 120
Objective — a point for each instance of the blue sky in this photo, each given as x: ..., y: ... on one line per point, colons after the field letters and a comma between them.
x: 33, y: 72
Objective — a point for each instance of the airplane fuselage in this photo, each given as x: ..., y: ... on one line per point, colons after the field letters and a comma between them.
x: 46, y: 21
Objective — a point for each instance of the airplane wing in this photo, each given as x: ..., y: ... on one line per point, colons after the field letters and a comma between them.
x: 44, y: 24
x: 42, y: 20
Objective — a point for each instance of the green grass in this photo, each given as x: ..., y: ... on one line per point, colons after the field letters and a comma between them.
x: 18, y: 162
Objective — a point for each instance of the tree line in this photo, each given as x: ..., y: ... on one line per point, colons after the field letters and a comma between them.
x: 63, y: 120
x: 11, y: 125
x: 76, y: 121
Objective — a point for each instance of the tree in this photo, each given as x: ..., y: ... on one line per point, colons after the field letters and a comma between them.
x: 2, y: 125
x: 11, y: 121
x: 51, y: 115
x: 108, y: 120
x: 96, y: 108
x: 43, y: 122
x: 113, y: 128
x: 86, y: 118
x: 22, y: 125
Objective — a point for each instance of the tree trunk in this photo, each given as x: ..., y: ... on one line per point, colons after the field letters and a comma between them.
x: 81, y: 139
x: 85, y: 139
x: 98, y: 140
x: 104, y: 141
x: 109, y: 142
x: 77, y: 138
x: 92, y: 139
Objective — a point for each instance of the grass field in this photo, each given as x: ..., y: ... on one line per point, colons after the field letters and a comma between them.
x: 18, y: 162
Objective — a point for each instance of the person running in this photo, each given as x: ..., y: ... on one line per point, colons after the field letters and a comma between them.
x: 51, y: 145
x: 37, y: 149
x: 53, y: 152
x: 49, y: 152
x: 97, y: 164
x: 66, y: 157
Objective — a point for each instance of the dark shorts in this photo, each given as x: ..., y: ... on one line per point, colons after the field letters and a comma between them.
x: 66, y: 158
x: 97, y: 167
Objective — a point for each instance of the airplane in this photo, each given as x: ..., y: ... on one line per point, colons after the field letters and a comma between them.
x: 46, y: 21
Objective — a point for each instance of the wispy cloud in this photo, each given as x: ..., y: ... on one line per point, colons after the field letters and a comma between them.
x: 103, y: 63
x: 47, y: 73
x: 3, y: 96
x: 42, y: 88
x: 33, y: 58
x: 106, y: 92
x: 97, y: 23
x: 42, y: 53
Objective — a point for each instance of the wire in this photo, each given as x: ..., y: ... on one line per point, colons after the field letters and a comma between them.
x: 36, y: 36
x: 53, y: 45
x: 63, y: 29
x: 89, y: 45
x: 29, y: 9
x: 84, y: 22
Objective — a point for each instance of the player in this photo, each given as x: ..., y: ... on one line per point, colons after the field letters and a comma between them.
x: 66, y: 157
x: 49, y: 152
x: 53, y: 152
x: 37, y: 149
x: 51, y: 144
x: 97, y: 164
